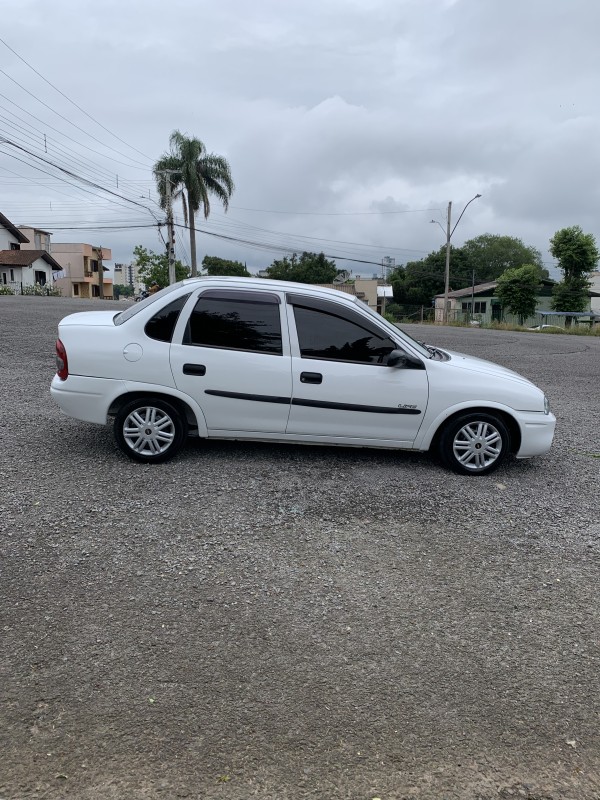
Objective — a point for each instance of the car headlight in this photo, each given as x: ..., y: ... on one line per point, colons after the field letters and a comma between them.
x: 546, y: 405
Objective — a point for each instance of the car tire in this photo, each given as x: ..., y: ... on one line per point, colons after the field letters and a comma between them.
x: 474, y: 443
x: 150, y: 430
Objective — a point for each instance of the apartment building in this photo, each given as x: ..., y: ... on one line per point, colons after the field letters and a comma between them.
x: 81, y: 269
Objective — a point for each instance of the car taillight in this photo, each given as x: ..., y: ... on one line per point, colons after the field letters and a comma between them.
x: 62, y: 365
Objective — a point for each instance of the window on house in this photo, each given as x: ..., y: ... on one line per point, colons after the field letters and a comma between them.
x: 479, y: 307
x: 4, y: 277
x: 12, y: 275
x: 40, y: 277
x: 95, y: 291
x: 15, y: 246
x: 94, y: 265
x: 76, y: 289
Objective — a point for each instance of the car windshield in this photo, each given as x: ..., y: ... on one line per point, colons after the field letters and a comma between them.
x: 420, y: 348
x: 130, y: 312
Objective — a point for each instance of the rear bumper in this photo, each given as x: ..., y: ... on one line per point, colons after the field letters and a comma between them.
x: 537, y: 433
x: 87, y: 399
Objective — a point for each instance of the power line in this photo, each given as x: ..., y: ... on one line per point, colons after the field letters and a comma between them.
x: 61, y: 133
x: 334, y: 213
x: 279, y: 248
x: 83, y: 111
x: 74, y: 175
x: 70, y: 121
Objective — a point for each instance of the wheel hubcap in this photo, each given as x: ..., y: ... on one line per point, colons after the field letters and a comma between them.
x: 149, y: 431
x: 477, y: 445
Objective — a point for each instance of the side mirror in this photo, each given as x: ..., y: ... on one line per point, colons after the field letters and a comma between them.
x: 401, y: 360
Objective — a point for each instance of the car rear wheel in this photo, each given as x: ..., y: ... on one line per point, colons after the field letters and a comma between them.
x: 150, y: 430
x: 474, y: 444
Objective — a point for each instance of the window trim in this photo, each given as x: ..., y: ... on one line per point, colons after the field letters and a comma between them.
x: 182, y: 297
x: 346, y: 315
x: 241, y: 295
x: 251, y: 298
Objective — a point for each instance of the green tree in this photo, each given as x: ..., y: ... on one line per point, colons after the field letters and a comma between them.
x: 417, y: 282
x: 155, y: 267
x: 482, y: 259
x: 518, y: 288
x: 489, y: 255
x: 308, y: 268
x: 577, y: 256
x: 122, y: 290
x: 197, y: 175
x: 221, y: 266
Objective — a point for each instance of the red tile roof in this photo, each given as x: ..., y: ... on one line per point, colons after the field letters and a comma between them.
x: 23, y: 258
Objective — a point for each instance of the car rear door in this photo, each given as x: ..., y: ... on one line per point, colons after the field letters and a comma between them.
x: 232, y: 356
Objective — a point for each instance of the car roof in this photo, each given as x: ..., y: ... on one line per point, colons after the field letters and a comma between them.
x: 274, y: 285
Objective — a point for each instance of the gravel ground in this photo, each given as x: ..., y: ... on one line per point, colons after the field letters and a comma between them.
x: 287, y: 622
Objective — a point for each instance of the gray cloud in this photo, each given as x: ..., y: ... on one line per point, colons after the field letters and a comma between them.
x: 330, y: 107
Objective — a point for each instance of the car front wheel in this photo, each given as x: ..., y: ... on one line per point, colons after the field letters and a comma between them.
x: 150, y: 430
x: 474, y: 444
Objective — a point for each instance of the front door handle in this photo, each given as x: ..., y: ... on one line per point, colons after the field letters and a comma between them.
x: 311, y: 377
x: 194, y: 369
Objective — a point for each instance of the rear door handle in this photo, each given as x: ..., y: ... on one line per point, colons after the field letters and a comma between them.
x: 311, y: 377
x: 194, y: 369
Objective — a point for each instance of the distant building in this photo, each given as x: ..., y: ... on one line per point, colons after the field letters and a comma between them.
x: 480, y: 303
x: 37, y: 239
x: 595, y: 287
x: 11, y: 237
x: 81, y: 266
x: 22, y: 264
x: 128, y: 275
x: 370, y: 290
x: 20, y: 269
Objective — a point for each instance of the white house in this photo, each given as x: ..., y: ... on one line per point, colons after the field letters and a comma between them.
x: 595, y: 287
x: 20, y: 268
x: 11, y: 238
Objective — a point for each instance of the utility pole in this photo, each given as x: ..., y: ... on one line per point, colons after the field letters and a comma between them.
x: 100, y: 275
x: 387, y: 263
x: 170, y: 227
x: 449, y: 231
x: 447, y: 271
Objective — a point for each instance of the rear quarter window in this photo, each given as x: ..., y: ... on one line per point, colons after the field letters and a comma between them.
x: 162, y: 324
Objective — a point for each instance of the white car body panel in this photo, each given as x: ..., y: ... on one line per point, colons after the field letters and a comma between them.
x: 355, y: 404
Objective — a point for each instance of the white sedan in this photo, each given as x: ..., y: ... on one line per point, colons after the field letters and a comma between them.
x: 262, y: 360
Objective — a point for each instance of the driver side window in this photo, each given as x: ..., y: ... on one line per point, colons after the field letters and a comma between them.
x: 327, y: 335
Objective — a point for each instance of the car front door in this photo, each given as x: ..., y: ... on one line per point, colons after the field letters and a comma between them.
x: 232, y: 356
x: 342, y: 387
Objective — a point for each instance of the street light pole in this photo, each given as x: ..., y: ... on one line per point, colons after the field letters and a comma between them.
x: 449, y: 232
x: 447, y: 272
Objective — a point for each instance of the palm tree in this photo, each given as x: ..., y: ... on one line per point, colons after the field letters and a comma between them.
x: 194, y: 175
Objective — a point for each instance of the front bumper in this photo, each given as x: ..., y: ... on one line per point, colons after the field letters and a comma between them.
x: 537, y: 433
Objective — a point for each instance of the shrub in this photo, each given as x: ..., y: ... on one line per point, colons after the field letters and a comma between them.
x: 41, y: 291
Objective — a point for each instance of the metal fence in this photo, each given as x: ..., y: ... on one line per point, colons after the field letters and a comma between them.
x: 36, y: 290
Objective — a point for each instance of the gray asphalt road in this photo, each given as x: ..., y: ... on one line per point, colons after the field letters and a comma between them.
x: 287, y: 622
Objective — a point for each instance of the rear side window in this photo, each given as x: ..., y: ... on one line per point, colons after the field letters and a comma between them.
x: 162, y: 324
x: 236, y: 321
x: 330, y: 336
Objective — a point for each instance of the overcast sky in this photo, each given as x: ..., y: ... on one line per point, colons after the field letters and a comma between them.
x: 348, y: 124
